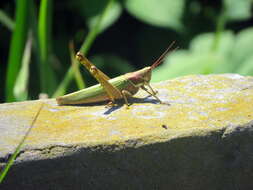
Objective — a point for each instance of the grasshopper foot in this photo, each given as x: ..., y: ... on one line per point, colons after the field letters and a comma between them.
x: 127, y: 106
x: 110, y: 104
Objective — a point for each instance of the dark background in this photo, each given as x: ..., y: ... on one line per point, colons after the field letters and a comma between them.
x: 127, y: 44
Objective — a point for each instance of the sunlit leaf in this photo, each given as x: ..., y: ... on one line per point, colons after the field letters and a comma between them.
x: 163, y: 13
x: 238, y: 9
x: 203, y: 43
x: 110, y: 17
x: 246, y: 68
x: 183, y: 63
x: 91, y: 11
x: 243, y: 47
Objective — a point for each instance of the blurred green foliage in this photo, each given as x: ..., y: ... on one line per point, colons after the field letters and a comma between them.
x: 40, y: 38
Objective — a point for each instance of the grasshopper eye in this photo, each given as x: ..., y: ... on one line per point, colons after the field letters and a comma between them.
x: 147, y: 77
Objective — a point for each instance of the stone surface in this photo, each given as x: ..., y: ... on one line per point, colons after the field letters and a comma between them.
x: 200, y: 138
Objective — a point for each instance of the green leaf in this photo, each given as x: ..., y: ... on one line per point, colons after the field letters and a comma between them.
x: 243, y: 47
x: 183, y: 63
x: 246, y: 67
x: 18, y: 40
x: 238, y: 9
x: 201, y: 58
x: 20, y: 88
x: 91, y: 10
x: 203, y: 43
x: 110, y: 17
x: 163, y: 13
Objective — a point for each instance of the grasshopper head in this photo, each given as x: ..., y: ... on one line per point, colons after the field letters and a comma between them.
x: 145, y: 73
x: 143, y: 76
x: 140, y: 77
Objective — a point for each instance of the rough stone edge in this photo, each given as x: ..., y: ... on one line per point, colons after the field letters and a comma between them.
x: 54, y: 151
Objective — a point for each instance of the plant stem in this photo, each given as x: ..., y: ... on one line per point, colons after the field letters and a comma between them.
x: 219, y: 29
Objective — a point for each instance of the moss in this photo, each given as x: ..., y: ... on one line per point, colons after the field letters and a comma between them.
x: 196, y: 102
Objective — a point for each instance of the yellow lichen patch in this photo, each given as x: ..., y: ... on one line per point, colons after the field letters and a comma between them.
x: 192, y: 104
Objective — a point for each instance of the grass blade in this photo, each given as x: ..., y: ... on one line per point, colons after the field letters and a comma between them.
x: 6, y: 20
x: 95, y: 30
x: 65, y: 82
x: 20, y: 88
x: 93, y: 33
x: 14, y: 155
x: 17, y: 47
x: 78, y: 77
x: 47, y: 77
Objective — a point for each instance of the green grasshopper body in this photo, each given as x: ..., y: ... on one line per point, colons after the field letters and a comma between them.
x: 120, y: 87
x: 95, y: 93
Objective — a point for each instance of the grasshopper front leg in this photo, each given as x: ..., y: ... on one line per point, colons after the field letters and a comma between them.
x: 126, y: 94
x: 152, y: 93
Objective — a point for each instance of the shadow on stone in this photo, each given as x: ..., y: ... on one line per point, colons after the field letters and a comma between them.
x: 120, y: 103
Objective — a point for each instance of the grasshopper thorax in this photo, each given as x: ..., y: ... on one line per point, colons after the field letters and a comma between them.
x: 140, y: 77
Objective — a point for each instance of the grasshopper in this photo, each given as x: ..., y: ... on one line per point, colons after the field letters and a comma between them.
x: 121, y: 87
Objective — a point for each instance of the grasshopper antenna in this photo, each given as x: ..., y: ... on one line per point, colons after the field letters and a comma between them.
x: 161, y: 58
